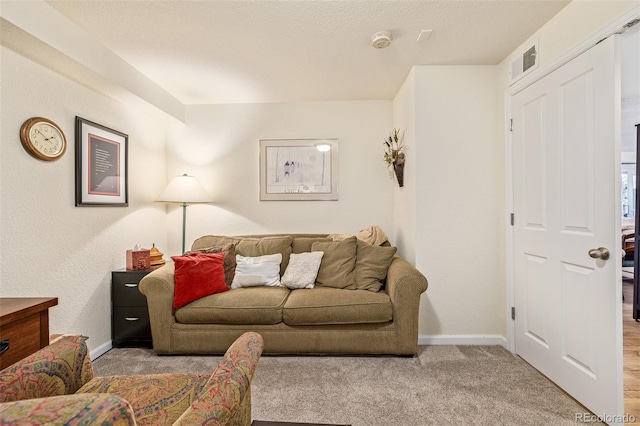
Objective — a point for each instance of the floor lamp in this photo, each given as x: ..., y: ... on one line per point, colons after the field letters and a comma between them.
x: 184, y: 190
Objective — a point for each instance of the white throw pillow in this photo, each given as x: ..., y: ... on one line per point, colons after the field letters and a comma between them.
x: 302, y: 270
x: 257, y: 271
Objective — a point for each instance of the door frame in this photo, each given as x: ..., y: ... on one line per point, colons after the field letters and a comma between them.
x: 612, y: 28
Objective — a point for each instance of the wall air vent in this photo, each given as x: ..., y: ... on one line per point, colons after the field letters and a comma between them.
x: 524, y: 63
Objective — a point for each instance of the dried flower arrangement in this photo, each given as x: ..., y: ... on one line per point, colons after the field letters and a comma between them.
x: 394, y: 154
x: 393, y: 150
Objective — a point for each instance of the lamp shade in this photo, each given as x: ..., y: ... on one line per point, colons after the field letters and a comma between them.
x: 184, y: 189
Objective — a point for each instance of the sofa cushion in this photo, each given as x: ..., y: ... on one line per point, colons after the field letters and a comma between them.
x: 303, y: 244
x: 372, y: 263
x: 324, y: 305
x: 155, y: 398
x: 197, y: 275
x: 251, y: 305
x: 251, y: 246
x: 338, y: 263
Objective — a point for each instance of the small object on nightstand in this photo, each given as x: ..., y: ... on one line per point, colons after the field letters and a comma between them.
x: 156, y: 258
x: 130, y: 324
x: 138, y: 259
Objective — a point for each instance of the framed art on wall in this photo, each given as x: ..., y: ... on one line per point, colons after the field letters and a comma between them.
x: 298, y: 169
x: 101, y: 165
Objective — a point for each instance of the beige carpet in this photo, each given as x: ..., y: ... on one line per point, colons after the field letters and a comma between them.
x: 444, y: 385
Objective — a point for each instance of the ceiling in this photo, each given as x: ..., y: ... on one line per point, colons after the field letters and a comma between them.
x: 246, y: 51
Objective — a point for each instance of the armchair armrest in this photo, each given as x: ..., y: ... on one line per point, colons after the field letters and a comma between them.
x: 88, y: 408
x: 58, y: 369
x: 158, y: 287
x: 226, y: 398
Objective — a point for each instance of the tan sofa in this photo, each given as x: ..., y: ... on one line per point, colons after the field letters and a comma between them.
x: 300, y: 321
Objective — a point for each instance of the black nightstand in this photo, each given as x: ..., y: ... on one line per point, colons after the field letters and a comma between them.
x: 129, y: 314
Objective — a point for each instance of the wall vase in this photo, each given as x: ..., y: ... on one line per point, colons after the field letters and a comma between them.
x: 398, y: 168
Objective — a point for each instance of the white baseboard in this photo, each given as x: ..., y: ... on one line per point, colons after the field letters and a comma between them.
x: 463, y: 339
x: 100, y: 350
x: 454, y: 339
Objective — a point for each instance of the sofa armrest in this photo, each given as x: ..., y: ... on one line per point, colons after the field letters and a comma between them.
x: 226, y: 398
x: 61, y: 368
x: 403, y: 277
x: 404, y: 286
x: 158, y: 288
x: 81, y: 409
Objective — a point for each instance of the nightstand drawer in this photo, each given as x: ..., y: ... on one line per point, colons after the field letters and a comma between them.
x: 125, y: 289
x: 131, y: 324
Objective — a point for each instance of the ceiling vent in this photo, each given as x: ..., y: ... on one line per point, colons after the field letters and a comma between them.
x: 524, y: 63
x: 381, y: 39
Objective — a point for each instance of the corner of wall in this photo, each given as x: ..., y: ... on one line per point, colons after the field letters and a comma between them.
x: 404, y: 214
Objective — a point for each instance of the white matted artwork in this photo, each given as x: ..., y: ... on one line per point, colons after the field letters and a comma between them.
x: 298, y: 169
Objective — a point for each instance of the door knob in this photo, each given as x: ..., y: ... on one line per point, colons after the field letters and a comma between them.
x: 600, y: 253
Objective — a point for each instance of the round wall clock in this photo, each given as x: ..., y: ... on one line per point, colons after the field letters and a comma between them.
x: 43, y: 139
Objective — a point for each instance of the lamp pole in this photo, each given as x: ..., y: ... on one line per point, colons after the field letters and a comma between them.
x: 184, y: 224
x: 184, y: 190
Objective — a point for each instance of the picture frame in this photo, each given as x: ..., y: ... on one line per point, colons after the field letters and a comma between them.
x: 101, y: 165
x: 298, y: 169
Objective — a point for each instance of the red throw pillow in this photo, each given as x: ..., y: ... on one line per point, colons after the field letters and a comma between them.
x: 196, y: 276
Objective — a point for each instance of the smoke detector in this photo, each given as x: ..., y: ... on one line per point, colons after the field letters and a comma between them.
x: 381, y: 39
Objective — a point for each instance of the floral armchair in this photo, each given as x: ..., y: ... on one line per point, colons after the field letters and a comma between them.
x: 56, y: 386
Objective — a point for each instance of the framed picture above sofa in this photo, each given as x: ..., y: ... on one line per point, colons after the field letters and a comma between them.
x: 298, y: 169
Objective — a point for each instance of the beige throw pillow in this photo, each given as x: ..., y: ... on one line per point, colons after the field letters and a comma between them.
x: 337, y: 268
x: 372, y: 263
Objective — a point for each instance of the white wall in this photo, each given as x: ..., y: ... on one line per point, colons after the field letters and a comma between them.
x: 573, y: 24
x: 219, y: 145
x: 50, y: 247
x: 404, y: 118
x: 458, y: 188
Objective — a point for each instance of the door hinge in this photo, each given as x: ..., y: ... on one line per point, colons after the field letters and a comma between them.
x: 513, y: 313
x: 513, y: 219
x: 511, y: 124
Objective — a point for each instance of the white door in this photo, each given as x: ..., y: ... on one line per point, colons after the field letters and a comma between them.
x: 566, y: 171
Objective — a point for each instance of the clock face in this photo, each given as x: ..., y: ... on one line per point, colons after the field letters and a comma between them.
x: 43, y: 139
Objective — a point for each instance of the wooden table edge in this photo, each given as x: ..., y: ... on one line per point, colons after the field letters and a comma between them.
x: 44, y: 304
